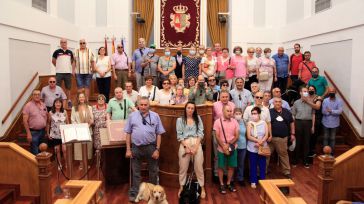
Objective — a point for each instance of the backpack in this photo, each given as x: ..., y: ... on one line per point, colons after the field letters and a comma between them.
x: 191, y: 192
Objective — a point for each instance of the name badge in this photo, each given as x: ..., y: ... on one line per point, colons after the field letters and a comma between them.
x: 279, y: 118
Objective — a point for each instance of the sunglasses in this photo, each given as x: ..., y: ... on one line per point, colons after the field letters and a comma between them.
x: 259, y: 97
x: 225, y: 85
x: 120, y: 47
x: 52, y: 82
x: 250, y: 52
x: 165, y: 83
x: 212, y: 79
x: 82, y: 43
x: 121, y: 107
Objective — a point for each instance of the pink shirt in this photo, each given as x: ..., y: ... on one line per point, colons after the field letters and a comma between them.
x: 37, y: 115
x: 120, y: 61
x: 266, y: 65
x: 230, y: 127
x: 305, y: 73
x: 222, y: 65
x: 240, y: 66
x: 216, y: 54
x: 218, y: 108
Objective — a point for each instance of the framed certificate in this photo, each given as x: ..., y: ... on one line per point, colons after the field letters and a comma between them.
x: 116, y: 130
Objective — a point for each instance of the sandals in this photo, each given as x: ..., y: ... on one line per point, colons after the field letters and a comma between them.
x: 222, y: 189
x: 231, y: 188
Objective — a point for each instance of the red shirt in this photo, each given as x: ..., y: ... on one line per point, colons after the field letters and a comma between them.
x: 295, y: 62
x: 305, y: 73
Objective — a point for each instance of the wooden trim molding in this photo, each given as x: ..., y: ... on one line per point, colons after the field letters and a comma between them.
x: 86, y: 194
x: 19, y: 98
x: 19, y: 150
x: 343, y: 97
x: 349, y: 154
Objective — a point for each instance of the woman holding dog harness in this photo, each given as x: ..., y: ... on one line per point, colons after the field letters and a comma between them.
x: 190, y: 134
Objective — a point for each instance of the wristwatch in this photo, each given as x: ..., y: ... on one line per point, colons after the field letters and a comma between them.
x: 157, y: 148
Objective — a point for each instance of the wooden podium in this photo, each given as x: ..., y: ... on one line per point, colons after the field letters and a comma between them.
x: 168, y: 161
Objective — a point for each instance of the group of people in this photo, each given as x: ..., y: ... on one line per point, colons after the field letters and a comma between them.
x: 249, y: 115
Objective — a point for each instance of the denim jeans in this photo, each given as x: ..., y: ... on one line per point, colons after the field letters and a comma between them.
x: 38, y: 137
x: 241, y: 161
x: 140, y: 153
x: 329, y: 137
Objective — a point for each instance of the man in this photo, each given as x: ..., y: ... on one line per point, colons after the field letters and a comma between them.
x: 224, y: 85
x: 227, y: 132
x: 304, y: 126
x: 121, y: 66
x: 62, y: 59
x: 85, y: 64
x: 282, y: 128
x: 119, y: 107
x: 276, y: 92
x: 295, y: 60
x: 143, y: 139
x: 212, y: 84
x: 35, y: 120
x: 51, y: 92
x: 255, y: 88
x: 129, y: 93
x: 138, y: 55
x: 319, y: 82
x: 200, y: 93
x: 241, y: 97
x: 266, y: 98
x: 332, y: 108
x: 258, y: 52
x: 282, y: 62
x: 305, y: 68
x: 179, y: 61
x: 150, y: 64
x: 217, y: 50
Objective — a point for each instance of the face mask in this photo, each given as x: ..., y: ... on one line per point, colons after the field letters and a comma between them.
x: 267, y: 55
x: 305, y: 94
x: 311, y: 92
x: 237, y: 52
x: 192, y: 52
x: 314, y: 75
x: 167, y: 53
x: 151, y: 51
x: 201, y: 52
x: 332, y: 95
x: 255, y: 118
x: 258, y: 55
x: 238, y: 117
x: 179, y: 52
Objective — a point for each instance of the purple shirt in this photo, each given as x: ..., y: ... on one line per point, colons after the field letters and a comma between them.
x: 120, y: 61
x: 332, y: 120
x: 144, y: 133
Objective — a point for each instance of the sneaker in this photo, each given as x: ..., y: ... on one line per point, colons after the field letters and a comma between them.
x: 222, y: 189
x: 306, y: 165
x: 253, y: 185
x: 231, y: 188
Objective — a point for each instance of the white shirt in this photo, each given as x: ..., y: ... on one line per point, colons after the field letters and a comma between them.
x: 143, y: 91
x: 133, y: 96
x: 164, y: 98
x: 103, y: 65
x: 264, y: 115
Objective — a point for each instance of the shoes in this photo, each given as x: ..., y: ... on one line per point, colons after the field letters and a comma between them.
x: 231, y: 188
x: 306, y: 165
x: 132, y: 199
x: 253, y: 185
x: 222, y: 189
x: 288, y: 176
x: 203, y: 193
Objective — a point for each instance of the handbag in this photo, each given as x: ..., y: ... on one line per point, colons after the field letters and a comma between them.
x: 231, y: 146
x: 191, y: 191
x: 263, y: 76
x: 264, y: 151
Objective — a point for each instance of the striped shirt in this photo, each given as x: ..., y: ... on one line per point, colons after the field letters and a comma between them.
x: 83, y: 61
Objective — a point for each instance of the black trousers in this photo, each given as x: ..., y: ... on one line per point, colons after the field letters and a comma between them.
x: 251, y: 80
x: 303, y: 134
x: 103, y: 85
x: 281, y: 83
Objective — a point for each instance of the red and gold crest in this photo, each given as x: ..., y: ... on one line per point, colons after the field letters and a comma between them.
x: 180, y: 19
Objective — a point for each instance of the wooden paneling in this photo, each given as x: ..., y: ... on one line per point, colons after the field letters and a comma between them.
x: 18, y: 166
x: 86, y: 194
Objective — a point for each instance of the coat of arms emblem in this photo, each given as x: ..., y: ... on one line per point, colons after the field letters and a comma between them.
x: 180, y: 20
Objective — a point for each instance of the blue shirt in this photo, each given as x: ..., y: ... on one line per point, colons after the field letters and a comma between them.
x: 144, y: 134
x: 242, y: 98
x: 138, y: 58
x: 332, y: 120
x: 284, y: 104
x: 281, y: 65
x: 242, y: 138
x: 185, y: 131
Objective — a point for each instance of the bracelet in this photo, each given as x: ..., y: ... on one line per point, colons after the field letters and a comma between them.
x: 157, y: 148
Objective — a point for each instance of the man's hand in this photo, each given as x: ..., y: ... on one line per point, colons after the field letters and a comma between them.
x: 115, y: 77
x: 155, y: 154
x: 293, y: 138
x: 269, y: 139
x: 313, y: 130
x: 29, y: 137
x: 226, y: 149
x: 128, y: 154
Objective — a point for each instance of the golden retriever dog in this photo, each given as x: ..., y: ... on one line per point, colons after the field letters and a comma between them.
x: 158, y: 196
x: 145, y: 192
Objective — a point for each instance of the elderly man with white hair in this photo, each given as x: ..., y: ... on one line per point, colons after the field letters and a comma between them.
x: 121, y: 66
x: 282, y: 64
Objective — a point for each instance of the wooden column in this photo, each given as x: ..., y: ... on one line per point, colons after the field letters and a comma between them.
x: 45, y: 174
x: 85, y: 159
x: 326, y: 167
x: 69, y: 159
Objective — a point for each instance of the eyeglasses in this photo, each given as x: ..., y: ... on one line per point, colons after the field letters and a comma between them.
x: 63, y: 42
x: 52, y: 82
x: 225, y: 85
x: 259, y: 97
x: 103, y: 100
x: 212, y: 79
x: 121, y: 107
x: 82, y: 43
x: 239, y: 97
x: 120, y: 47
x: 250, y: 52
x: 255, y: 114
x: 165, y: 83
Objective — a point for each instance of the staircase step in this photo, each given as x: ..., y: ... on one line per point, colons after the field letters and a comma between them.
x: 358, y: 196
x: 7, y: 196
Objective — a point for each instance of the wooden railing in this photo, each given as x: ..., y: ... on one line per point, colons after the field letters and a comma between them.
x: 19, y: 98
x: 343, y: 97
x: 270, y: 193
x: 87, y: 194
x: 338, y: 175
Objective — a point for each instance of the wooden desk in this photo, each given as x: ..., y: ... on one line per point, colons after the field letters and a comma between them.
x: 115, y: 167
x: 168, y: 161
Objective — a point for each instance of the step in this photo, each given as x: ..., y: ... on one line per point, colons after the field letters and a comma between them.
x: 358, y: 196
x: 7, y: 196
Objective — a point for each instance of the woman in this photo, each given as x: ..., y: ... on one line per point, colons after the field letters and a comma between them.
x: 190, y: 67
x: 181, y: 82
x: 191, y: 82
x: 82, y: 113
x: 189, y: 134
x: 149, y: 90
x: 103, y: 73
x: 166, y: 65
x: 267, y: 72
x: 165, y: 94
x: 99, y: 113
x: 238, y: 113
x: 208, y: 64
x: 179, y: 97
x: 257, y: 134
x: 239, y: 63
x: 224, y: 85
x: 173, y: 80
x: 56, y: 117
x: 316, y: 102
x: 224, y: 70
x: 252, y: 66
